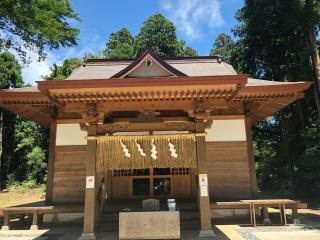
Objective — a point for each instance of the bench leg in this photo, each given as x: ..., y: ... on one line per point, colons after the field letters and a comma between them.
x: 6, y: 221
x: 266, y: 218
x: 250, y: 212
x: 280, y: 211
x: 296, y: 219
x: 35, y: 221
x: 284, y: 214
x: 254, y: 215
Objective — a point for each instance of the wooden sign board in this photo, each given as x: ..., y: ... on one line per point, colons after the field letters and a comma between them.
x: 90, y: 182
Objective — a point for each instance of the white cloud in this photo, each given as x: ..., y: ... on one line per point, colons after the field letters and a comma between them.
x: 191, y: 16
x: 34, y: 70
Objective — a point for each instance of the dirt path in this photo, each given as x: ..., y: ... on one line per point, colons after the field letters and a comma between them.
x: 12, y: 198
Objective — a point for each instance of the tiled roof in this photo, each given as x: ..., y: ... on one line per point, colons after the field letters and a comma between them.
x: 189, y: 66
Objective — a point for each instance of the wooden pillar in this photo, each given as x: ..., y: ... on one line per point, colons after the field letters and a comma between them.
x: 90, y: 207
x: 251, y: 161
x: 51, y: 160
x: 203, y: 188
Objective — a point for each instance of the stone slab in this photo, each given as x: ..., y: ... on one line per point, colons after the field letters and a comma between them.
x: 149, y: 225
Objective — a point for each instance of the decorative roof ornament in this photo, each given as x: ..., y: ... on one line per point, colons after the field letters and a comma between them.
x: 149, y: 62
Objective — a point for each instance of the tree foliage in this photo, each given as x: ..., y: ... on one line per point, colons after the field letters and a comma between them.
x: 120, y: 45
x: 10, y: 77
x: 24, y: 143
x: 271, y: 44
x: 157, y: 33
x: 62, y: 72
x: 10, y: 71
x: 36, y: 24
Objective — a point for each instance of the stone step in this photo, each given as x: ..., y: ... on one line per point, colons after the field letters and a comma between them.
x: 114, y: 226
x: 113, y: 217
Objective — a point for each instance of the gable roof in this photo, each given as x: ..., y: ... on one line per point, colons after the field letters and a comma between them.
x: 148, y: 54
x: 190, y: 66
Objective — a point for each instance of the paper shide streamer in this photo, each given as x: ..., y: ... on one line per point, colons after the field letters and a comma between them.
x: 153, y: 150
x: 140, y: 149
x: 125, y: 149
x: 172, y: 149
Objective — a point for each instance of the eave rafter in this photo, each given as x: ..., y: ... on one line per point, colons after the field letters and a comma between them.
x: 143, y: 96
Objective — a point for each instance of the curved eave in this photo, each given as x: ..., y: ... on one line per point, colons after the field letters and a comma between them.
x: 250, y: 93
x: 268, y: 100
x: 34, y: 106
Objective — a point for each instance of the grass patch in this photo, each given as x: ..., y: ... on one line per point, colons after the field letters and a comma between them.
x: 25, y: 186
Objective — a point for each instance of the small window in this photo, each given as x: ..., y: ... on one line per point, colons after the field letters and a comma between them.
x: 161, y: 186
x: 121, y: 173
x: 161, y: 171
x: 141, y: 172
x: 180, y: 171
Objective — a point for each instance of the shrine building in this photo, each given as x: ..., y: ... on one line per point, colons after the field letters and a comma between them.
x: 177, y: 128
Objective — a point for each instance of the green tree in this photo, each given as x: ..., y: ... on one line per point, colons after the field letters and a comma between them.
x: 10, y: 77
x: 232, y: 52
x: 224, y: 46
x: 62, y: 72
x: 189, y: 52
x: 120, y: 45
x: 310, y: 20
x: 159, y: 34
x: 36, y: 24
x: 30, y: 152
x: 274, y: 47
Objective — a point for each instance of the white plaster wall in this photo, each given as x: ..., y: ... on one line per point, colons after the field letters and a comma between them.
x: 70, y: 135
x: 227, y: 131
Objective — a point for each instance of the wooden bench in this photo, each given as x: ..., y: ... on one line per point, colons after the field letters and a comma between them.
x: 276, y: 203
x: 36, y: 212
x: 251, y: 205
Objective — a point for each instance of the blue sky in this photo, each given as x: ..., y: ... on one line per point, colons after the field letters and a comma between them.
x: 198, y: 22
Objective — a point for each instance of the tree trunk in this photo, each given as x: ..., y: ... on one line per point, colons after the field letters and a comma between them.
x: 315, y: 59
x: 1, y: 123
x: 286, y: 148
x: 8, y: 146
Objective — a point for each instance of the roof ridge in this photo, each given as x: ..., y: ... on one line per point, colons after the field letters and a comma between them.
x: 94, y: 60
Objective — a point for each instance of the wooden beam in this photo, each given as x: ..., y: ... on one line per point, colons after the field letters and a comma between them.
x: 90, y: 207
x: 225, y: 117
x: 203, y: 188
x: 137, y: 127
x: 51, y: 160
x: 147, y: 105
x: 160, y: 119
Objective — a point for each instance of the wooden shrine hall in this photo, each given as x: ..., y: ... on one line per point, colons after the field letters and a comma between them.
x: 176, y: 128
